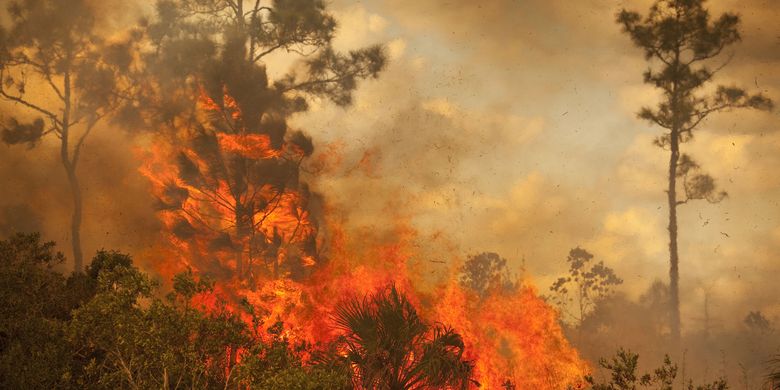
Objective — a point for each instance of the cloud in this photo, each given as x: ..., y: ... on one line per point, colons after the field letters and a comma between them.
x: 396, y: 48
x: 641, y: 170
x: 633, y: 241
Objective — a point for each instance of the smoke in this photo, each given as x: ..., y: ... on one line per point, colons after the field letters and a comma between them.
x: 118, y: 210
x: 510, y: 126
x: 504, y: 126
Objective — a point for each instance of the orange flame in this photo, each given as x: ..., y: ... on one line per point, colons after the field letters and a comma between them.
x: 512, y: 337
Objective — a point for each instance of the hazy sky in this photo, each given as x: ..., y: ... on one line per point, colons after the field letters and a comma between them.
x: 507, y: 126
x: 510, y: 126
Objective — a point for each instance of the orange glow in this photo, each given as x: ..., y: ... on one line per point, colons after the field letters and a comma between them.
x: 513, y: 336
x: 255, y: 146
x: 274, y: 258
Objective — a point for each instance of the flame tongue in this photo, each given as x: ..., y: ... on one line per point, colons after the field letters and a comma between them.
x: 229, y: 198
x: 250, y: 146
x: 513, y: 336
x: 232, y: 207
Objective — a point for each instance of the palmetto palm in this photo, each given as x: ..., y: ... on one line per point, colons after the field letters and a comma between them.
x: 388, y: 346
x: 774, y: 376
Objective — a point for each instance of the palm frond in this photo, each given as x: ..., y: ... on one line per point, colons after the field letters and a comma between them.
x: 390, y: 346
x: 774, y: 375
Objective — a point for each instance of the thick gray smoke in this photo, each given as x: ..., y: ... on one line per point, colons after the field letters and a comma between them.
x: 505, y: 126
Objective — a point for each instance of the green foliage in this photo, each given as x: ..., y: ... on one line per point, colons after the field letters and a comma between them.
x: 278, y: 365
x: 109, y: 328
x: 185, y: 286
x: 622, y: 369
x: 303, y: 378
x: 389, y: 346
x: 130, y: 339
x: 33, y: 314
x: 485, y: 273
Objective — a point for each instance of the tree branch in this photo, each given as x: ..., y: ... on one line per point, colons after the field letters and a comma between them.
x: 704, y: 114
x: 80, y: 142
x: 53, y: 86
x: 20, y: 100
x: 126, y: 369
x: 257, y: 8
x: 311, y: 83
x: 268, y: 51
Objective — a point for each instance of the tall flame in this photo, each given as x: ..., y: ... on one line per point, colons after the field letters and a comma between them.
x: 225, y: 213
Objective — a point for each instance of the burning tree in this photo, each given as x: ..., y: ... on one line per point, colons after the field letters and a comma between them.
x: 227, y: 169
x: 679, y: 38
x: 236, y: 189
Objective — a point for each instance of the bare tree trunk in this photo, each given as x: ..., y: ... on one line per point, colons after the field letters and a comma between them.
x: 240, y: 237
x: 70, y: 170
x: 240, y: 261
x: 75, y: 223
x: 582, y: 316
x: 243, y: 221
x: 674, y: 274
x: 276, y: 266
x: 231, y: 365
x: 674, y: 146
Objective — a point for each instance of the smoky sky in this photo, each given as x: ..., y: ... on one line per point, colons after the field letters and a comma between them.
x: 511, y: 126
x: 505, y: 126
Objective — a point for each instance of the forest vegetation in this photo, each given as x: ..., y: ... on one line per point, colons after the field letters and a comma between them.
x: 254, y: 279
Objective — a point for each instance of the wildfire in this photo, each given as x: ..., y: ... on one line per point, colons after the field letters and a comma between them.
x: 232, y: 207
x: 513, y: 336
